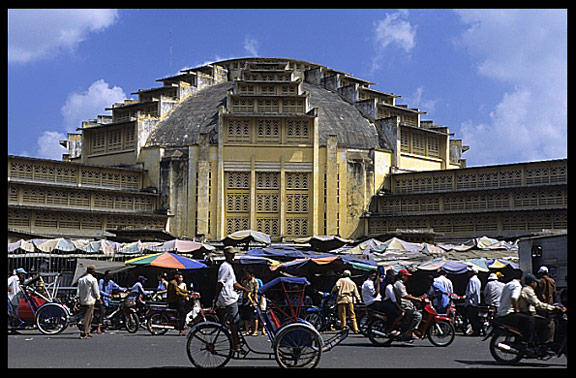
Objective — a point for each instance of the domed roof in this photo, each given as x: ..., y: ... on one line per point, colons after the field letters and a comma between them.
x: 199, y: 114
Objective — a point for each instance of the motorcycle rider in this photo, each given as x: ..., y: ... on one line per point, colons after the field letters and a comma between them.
x: 411, y: 313
x: 107, y: 288
x: 508, y: 312
x: 528, y: 303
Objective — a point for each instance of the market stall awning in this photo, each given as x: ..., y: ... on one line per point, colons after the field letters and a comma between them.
x: 246, y: 236
x: 179, y: 246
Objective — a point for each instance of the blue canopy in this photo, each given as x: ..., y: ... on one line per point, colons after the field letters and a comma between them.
x: 279, y: 252
x: 277, y: 280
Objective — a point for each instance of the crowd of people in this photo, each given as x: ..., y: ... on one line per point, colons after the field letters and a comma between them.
x: 517, y: 305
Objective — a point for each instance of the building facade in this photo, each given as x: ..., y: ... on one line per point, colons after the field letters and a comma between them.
x: 282, y: 146
x: 501, y: 201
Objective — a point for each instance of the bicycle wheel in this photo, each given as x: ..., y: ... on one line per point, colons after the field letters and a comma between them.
x: 209, y: 345
x: 441, y: 334
x: 52, y: 319
x: 158, y: 323
x: 297, y: 346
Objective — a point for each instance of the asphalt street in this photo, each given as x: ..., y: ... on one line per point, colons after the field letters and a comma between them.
x: 119, y: 349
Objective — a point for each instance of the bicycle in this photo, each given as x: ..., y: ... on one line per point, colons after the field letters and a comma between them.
x: 294, y: 342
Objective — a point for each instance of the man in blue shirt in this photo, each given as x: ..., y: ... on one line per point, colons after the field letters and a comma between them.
x: 107, y: 288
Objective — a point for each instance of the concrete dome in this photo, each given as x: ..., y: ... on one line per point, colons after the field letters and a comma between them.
x: 199, y: 114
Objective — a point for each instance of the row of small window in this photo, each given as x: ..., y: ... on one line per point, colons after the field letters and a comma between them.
x: 69, y: 175
x: 269, y: 226
x: 295, y: 203
x: 268, y: 105
x: 113, y: 140
x: 419, y: 143
x: 485, y: 223
x: 472, y: 201
x: 28, y: 219
x: 268, y: 130
x: 552, y: 175
x: 268, y: 180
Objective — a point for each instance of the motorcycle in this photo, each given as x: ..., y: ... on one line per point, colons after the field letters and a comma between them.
x: 120, y: 313
x: 486, y: 314
x: 508, y: 348
x: 160, y: 318
x: 437, y: 328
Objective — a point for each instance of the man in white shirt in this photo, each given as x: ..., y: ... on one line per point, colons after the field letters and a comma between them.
x: 508, y: 311
x: 226, y: 297
x: 472, y: 300
x: 371, y: 292
x: 88, y: 294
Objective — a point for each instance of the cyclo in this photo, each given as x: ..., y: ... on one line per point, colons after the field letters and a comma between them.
x: 295, y: 343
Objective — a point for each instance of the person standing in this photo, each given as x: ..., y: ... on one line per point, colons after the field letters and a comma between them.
x: 493, y: 290
x: 88, y: 294
x: 346, y: 291
x: 472, y: 301
x: 176, y: 299
x: 546, y: 289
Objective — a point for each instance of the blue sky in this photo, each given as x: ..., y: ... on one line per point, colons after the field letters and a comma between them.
x: 496, y: 78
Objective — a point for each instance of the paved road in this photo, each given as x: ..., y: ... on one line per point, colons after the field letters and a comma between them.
x: 142, y: 350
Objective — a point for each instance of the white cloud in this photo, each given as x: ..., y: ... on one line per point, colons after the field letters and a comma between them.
x: 420, y: 101
x: 35, y: 34
x: 79, y: 106
x: 526, y: 49
x: 396, y: 31
x: 251, y: 45
x: 392, y: 31
x: 49, y: 146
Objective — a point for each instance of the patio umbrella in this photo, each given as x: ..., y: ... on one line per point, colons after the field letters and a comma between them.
x: 167, y: 260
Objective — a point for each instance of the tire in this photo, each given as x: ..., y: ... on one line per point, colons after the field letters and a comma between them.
x: 315, y: 320
x: 503, y: 357
x: 377, y: 333
x: 441, y: 334
x: 158, y: 323
x: 51, y: 319
x: 131, y: 322
x: 209, y: 345
x: 297, y: 345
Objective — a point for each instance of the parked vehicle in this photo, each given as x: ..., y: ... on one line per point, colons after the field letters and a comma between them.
x: 161, y: 318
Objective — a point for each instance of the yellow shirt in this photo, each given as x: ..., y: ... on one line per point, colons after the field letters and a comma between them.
x: 346, y: 290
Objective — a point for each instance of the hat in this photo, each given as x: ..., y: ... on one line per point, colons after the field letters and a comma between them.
x: 229, y: 249
x: 91, y: 269
x: 346, y: 273
x: 529, y: 278
x: 543, y: 269
x: 492, y: 276
x: 142, y: 278
x: 404, y: 272
x: 21, y: 270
